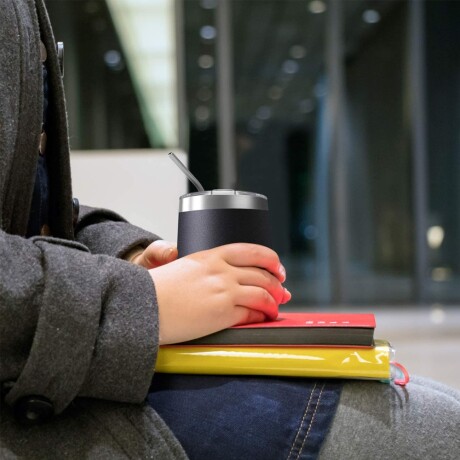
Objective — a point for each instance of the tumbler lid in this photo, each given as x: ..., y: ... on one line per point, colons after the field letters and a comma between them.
x: 222, y: 199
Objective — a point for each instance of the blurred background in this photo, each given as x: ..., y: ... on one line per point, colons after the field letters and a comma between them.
x: 346, y: 114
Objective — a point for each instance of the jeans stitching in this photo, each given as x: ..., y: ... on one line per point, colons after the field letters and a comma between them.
x: 301, y: 422
x: 311, y: 422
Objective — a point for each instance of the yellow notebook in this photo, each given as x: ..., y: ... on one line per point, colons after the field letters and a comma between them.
x: 330, y: 362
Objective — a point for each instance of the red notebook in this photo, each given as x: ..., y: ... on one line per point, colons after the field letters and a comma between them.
x: 336, y: 329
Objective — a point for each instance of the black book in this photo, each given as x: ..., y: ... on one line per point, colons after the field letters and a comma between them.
x: 315, y: 329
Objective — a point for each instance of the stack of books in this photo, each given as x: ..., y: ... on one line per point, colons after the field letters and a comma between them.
x: 321, y: 345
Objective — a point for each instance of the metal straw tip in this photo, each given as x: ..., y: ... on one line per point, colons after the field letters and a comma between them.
x: 186, y: 171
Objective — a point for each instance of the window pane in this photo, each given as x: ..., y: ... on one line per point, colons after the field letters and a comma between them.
x: 279, y: 91
x: 443, y: 120
x: 380, y: 232
x: 200, y: 36
x: 103, y: 101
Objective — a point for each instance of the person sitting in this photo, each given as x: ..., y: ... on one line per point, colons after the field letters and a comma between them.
x: 86, y: 299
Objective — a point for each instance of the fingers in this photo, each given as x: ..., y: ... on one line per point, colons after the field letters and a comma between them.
x: 158, y: 253
x: 250, y: 276
x: 257, y: 298
x: 261, y: 268
x: 287, y: 296
x: 248, y: 316
x: 254, y: 255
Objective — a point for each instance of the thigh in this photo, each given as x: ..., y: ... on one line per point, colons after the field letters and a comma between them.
x: 225, y: 417
x: 421, y: 420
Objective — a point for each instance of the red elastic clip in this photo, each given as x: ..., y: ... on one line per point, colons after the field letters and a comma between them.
x: 403, y: 377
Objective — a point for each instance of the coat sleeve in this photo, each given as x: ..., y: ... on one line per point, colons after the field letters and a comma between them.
x: 106, y: 232
x: 74, y: 323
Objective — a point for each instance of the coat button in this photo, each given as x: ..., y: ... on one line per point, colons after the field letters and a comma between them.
x: 45, y: 230
x: 60, y: 53
x: 75, y: 211
x: 42, y: 144
x: 43, y: 53
x: 31, y: 410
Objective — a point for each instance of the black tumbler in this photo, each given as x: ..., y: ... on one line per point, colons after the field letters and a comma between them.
x: 212, y: 218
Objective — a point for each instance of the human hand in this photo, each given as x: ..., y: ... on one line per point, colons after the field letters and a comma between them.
x: 211, y: 290
x: 158, y: 253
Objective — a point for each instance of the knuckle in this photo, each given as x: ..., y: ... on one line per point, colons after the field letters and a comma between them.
x: 274, y: 282
x: 249, y: 247
x: 265, y: 297
x: 246, y: 316
x: 219, y: 286
x: 271, y: 283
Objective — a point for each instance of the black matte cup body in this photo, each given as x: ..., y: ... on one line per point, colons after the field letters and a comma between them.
x: 219, y: 217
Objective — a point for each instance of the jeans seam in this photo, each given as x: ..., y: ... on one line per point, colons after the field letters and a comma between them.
x: 311, y: 422
x: 302, y: 422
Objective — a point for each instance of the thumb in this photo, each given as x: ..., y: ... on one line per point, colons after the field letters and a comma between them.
x: 158, y: 253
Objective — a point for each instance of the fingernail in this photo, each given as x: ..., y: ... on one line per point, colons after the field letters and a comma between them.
x: 167, y: 252
x: 287, y: 296
x: 282, y: 272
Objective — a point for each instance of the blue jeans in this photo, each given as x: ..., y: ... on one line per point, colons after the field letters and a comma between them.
x: 257, y: 418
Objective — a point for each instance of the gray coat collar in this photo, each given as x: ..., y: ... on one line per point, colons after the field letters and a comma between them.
x: 21, y: 118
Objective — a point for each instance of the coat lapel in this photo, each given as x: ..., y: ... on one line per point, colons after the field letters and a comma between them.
x: 20, y: 113
x: 23, y: 23
x: 57, y: 151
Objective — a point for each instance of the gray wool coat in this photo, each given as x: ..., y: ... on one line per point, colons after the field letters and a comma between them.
x: 78, y: 325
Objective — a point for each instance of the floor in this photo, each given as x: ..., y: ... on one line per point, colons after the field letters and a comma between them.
x: 426, y: 338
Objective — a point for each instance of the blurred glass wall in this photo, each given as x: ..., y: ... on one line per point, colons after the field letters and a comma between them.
x: 345, y: 114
